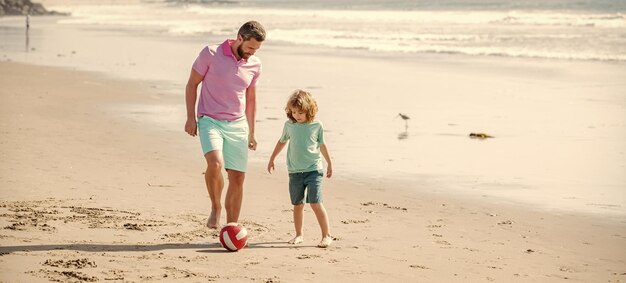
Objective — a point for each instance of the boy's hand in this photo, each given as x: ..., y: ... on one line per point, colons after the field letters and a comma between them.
x: 329, y: 171
x: 270, y: 166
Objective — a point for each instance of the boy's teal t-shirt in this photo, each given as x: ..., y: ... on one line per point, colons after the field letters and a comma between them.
x: 303, y: 152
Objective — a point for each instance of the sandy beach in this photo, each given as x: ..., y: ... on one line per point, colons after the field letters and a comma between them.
x: 99, y: 182
x: 89, y: 196
x: 556, y: 122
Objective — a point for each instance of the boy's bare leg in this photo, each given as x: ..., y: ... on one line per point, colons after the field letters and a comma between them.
x: 214, y: 184
x: 234, y: 195
x: 298, y: 218
x: 325, y: 242
x: 322, y: 219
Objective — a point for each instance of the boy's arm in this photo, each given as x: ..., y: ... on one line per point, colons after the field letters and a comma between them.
x: 329, y: 170
x: 277, y: 149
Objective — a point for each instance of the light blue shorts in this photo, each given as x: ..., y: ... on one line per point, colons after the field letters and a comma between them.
x: 230, y: 137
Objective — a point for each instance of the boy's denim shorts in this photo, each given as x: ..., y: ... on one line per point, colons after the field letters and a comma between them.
x: 230, y: 137
x: 311, y: 182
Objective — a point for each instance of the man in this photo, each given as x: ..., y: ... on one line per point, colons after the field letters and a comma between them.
x: 226, y: 114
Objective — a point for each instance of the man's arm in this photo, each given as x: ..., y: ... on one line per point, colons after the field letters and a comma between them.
x: 191, y: 94
x: 251, y: 116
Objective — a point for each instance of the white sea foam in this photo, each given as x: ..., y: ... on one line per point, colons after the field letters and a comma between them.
x: 576, y: 35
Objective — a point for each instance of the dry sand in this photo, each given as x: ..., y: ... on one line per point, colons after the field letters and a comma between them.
x: 90, y: 196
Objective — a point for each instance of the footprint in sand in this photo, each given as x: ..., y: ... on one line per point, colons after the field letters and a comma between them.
x: 63, y: 276
x: 38, y: 213
x: 198, y: 230
x: 17, y: 226
x: 305, y: 256
x: 274, y: 279
x: 73, y: 263
x: 173, y: 272
x: 254, y: 226
x: 134, y: 226
x: 114, y: 275
x: 372, y: 203
x: 354, y: 221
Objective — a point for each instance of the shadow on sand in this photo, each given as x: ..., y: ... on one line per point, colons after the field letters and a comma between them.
x: 203, y: 248
x: 403, y: 135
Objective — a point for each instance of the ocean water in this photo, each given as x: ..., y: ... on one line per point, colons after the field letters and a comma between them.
x: 569, y: 30
x: 512, y: 56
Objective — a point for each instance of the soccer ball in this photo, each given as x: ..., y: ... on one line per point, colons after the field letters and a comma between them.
x: 233, y: 237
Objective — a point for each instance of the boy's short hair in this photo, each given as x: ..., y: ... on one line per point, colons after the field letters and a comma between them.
x: 302, y: 100
x: 252, y: 29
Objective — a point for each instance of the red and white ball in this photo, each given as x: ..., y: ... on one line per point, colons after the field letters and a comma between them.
x: 233, y: 237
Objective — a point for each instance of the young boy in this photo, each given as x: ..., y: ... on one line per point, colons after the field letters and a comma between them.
x: 304, y: 163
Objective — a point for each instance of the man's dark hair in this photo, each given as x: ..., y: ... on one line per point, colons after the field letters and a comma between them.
x: 252, y: 29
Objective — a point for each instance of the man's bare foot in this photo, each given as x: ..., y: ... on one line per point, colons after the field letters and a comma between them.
x: 296, y: 240
x: 326, y: 241
x: 212, y: 222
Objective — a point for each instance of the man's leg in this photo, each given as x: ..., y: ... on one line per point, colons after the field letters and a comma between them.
x: 214, y: 184
x: 234, y: 195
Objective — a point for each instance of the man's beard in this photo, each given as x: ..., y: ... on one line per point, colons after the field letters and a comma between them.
x: 241, y: 53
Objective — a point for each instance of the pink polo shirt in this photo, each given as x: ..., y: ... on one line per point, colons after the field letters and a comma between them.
x: 223, y: 91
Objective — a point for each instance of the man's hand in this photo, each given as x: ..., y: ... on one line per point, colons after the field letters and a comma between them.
x: 191, y: 127
x: 251, y: 142
x: 270, y: 166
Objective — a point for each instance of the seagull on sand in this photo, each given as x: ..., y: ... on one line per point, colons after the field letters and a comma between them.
x: 405, y: 118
